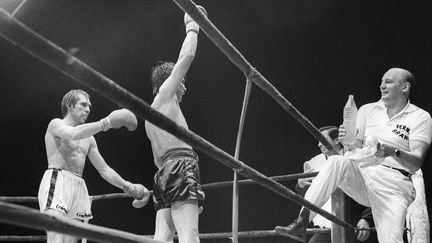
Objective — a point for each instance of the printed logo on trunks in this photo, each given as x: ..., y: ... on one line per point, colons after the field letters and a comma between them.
x: 402, y: 131
x: 83, y: 215
x: 62, y: 208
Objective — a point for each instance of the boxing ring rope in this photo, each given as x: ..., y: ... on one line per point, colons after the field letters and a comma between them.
x: 27, y: 40
x: 222, y: 235
x: 220, y: 184
x: 22, y: 238
x: 18, y: 7
x: 249, y: 181
x: 213, y: 185
x: 32, y: 218
x: 35, y: 199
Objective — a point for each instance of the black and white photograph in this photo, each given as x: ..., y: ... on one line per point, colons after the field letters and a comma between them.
x: 215, y: 121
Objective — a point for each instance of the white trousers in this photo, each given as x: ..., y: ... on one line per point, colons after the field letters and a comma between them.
x: 417, y: 219
x: 387, y: 191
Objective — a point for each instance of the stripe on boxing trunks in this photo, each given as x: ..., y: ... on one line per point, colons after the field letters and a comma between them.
x: 52, y: 188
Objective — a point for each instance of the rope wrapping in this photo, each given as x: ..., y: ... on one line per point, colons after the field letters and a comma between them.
x: 32, y: 218
x: 22, y: 238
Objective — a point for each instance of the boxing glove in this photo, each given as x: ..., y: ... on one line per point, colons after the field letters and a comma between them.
x: 190, y: 24
x: 138, y: 192
x: 134, y: 190
x: 120, y: 118
x: 139, y: 203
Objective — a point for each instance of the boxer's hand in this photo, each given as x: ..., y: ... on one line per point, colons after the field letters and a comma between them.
x: 139, y: 203
x: 105, y: 124
x: 120, y: 118
x: 190, y: 24
x: 137, y: 191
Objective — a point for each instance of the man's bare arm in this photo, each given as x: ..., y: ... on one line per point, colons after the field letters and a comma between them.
x: 412, y: 159
x: 186, y: 56
x: 106, y: 172
x: 137, y: 191
x: 116, y: 119
x: 58, y: 128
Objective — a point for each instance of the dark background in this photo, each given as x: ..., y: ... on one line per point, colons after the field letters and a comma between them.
x: 314, y: 52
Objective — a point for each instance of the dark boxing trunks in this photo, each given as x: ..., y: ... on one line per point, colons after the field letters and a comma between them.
x: 178, y: 179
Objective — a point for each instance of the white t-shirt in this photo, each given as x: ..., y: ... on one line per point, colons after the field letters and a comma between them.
x: 410, y: 124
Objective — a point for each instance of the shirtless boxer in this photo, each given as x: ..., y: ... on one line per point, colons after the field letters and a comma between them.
x: 177, y: 187
x: 69, y: 141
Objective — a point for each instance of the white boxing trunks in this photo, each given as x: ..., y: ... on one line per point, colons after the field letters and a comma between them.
x: 65, y: 192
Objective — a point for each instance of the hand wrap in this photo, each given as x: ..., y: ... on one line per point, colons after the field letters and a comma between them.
x: 123, y: 118
x: 105, y: 124
x: 190, y: 24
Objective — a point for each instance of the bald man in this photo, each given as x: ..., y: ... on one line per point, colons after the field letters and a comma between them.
x: 404, y: 132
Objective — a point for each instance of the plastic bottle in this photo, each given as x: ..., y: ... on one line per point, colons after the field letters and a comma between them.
x: 349, y: 121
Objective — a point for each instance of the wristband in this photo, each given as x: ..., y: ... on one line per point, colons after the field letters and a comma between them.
x: 105, y: 124
x: 192, y: 26
x: 125, y: 186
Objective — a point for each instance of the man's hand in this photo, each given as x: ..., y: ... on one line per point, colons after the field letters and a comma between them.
x: 139, y: 203
x: 385, y: 150
x: 303, y: 182
x: 363, y: 235
x: 341, y: 137
x: 134, y: 190
x: 341, y: 133
x: 139, y: 192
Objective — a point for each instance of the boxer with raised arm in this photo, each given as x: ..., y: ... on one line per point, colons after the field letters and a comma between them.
x: 177, y: 188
